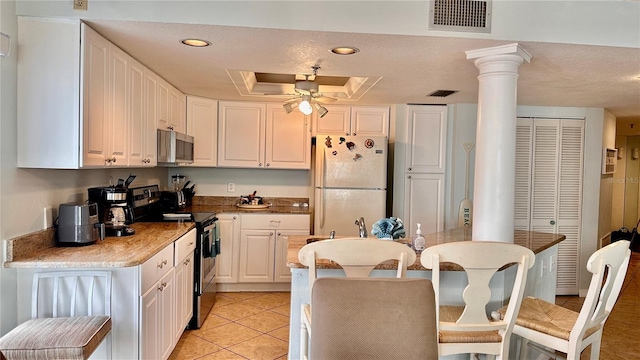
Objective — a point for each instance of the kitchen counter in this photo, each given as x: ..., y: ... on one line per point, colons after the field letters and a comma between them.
x: 112, y: 252
x: 227, y: 204
x: 536, y: 241
x: 541, y: 280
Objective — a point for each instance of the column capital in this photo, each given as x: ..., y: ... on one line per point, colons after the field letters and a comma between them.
x: 510, y: 49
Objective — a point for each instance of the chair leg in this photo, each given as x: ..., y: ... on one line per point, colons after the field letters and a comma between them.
x: 595, y: 349
x: 524, y: 348
x: 304, y: 341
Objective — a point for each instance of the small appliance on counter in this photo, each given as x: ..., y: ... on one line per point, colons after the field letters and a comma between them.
x: 179, y: 196
x: 78, y: 224
x: 114, y: 210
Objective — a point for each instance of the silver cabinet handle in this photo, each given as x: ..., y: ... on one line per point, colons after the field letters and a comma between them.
x: 191, y: 243
x: 170, y: 127
x: 268, y: 164
x: 235, y: 217
x: 409, y: 177
x: 162, y: 264
x: 259, y: 164
x: 409, y: 169
x: 354, y: 134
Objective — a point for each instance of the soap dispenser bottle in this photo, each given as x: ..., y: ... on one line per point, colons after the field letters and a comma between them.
x: 418, y: 242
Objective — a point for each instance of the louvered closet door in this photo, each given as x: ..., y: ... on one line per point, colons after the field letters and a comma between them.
x: 549, y: 187
x: 570, y: 204
x: 522, y: 210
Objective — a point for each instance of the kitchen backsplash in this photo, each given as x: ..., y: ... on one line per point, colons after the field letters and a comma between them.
x: 233, y: 200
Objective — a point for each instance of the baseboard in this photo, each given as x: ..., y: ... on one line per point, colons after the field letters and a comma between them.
x: 582, y: 292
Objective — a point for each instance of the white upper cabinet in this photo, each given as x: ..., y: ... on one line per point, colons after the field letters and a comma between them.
x: 95, y: 97
x: 257, y: 135
x: 202, y: 124
x: 370, y: 120
x: 172, y: 108
x: 427, y: 129
x: 356, y: 120
x: 288, y: 143
x: 94, y: 107
x: 241, y: 134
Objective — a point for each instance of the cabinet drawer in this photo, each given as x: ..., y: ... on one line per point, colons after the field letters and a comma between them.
x: 154, y: 268
x: 184, y: 246
x: 271, y: 221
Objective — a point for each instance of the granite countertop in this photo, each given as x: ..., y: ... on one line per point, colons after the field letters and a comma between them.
x: 536, y: 241
x: 111, y: 252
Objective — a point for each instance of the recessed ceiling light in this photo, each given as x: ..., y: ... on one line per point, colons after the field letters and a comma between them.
x: 344, y: 50
x: 196, y: 42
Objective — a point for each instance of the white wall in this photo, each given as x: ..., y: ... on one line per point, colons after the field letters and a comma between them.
x: 604, y: 22
x: 269, y: 183
x: 606, y: 181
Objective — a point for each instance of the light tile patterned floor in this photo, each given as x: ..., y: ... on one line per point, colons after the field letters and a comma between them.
x: 249, y: 325
x: 256, y: 326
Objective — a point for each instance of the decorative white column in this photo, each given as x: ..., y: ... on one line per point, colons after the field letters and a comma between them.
x: 494, y: 178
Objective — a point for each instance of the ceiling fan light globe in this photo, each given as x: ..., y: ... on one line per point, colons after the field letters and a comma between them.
x: 305, y: 107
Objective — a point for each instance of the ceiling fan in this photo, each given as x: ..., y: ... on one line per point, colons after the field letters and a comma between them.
x: 307, y: 97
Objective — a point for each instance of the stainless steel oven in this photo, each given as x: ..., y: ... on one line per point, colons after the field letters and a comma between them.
x: 207, y: 248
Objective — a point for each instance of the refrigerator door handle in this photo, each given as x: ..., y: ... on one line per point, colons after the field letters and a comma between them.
x: 321, y: 166
x: 321, y: 208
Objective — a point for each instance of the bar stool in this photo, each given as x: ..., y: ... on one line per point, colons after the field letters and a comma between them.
x: 65, y: 326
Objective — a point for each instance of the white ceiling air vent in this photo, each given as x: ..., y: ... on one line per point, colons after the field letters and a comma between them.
x: 460, y: 15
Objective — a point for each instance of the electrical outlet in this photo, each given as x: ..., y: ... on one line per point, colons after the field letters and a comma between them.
x: 80, y: 4
x: 231, y: 187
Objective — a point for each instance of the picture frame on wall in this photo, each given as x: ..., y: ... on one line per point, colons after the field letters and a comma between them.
x: 609, y: 160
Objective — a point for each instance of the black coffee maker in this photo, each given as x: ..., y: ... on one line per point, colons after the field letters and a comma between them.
x: 114, y: 209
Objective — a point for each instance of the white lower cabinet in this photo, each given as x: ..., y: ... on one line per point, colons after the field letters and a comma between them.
x: 166, y: 301
x: 263, y: 246
x: 423, y: 203
x: 227, y: 260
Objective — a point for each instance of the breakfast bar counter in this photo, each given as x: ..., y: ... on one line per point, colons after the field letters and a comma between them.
x: 536, y: 241
x: 541, y: 280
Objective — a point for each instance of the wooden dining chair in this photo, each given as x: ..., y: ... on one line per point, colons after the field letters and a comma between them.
x: 71, y: 316
x: 548, y: 327
x: 371, y: 319
x: 469, y: 328
x: 357, y: 257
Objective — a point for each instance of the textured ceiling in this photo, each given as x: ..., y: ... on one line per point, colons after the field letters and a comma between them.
x: 410, y: 67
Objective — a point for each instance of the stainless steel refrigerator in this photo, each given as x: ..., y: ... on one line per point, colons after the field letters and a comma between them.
x: 350, y: 182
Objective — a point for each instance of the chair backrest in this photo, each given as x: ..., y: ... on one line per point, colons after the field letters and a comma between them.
x: 357, y: 256
x: 609, y: 267
x: 480, y: 260
x: 382, y: 318
x: 71, y: 293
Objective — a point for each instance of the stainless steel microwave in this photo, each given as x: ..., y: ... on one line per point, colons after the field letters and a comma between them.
x: 174, y: 148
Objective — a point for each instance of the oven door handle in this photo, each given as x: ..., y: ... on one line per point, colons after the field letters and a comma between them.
x: 216, y: 249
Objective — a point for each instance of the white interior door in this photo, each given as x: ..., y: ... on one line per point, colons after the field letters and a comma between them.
x: 338, y: 209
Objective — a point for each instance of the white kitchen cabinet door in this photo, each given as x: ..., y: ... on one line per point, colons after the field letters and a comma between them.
x: 336, y: 122
x: 282, y: 273
x: 202, y: 124
x: 178, y: 114
x: 227, y: 260
x: 164, y: 104
x: 137, y: 117
x: 554, y: 195
x: 424, y: 196
x: 150, y: 323
x: 184, y: 281
x: 150, y: 134
x: 288, y: 140
x: 370, y: 121
x: 166, y: 301
x: 117, y: 130
x: 241, y: 134
x: 256, y: 256
x: 95, y: 97
x: 427, y: 129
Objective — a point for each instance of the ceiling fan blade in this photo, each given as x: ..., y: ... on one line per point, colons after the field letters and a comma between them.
x: 325, y: 99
